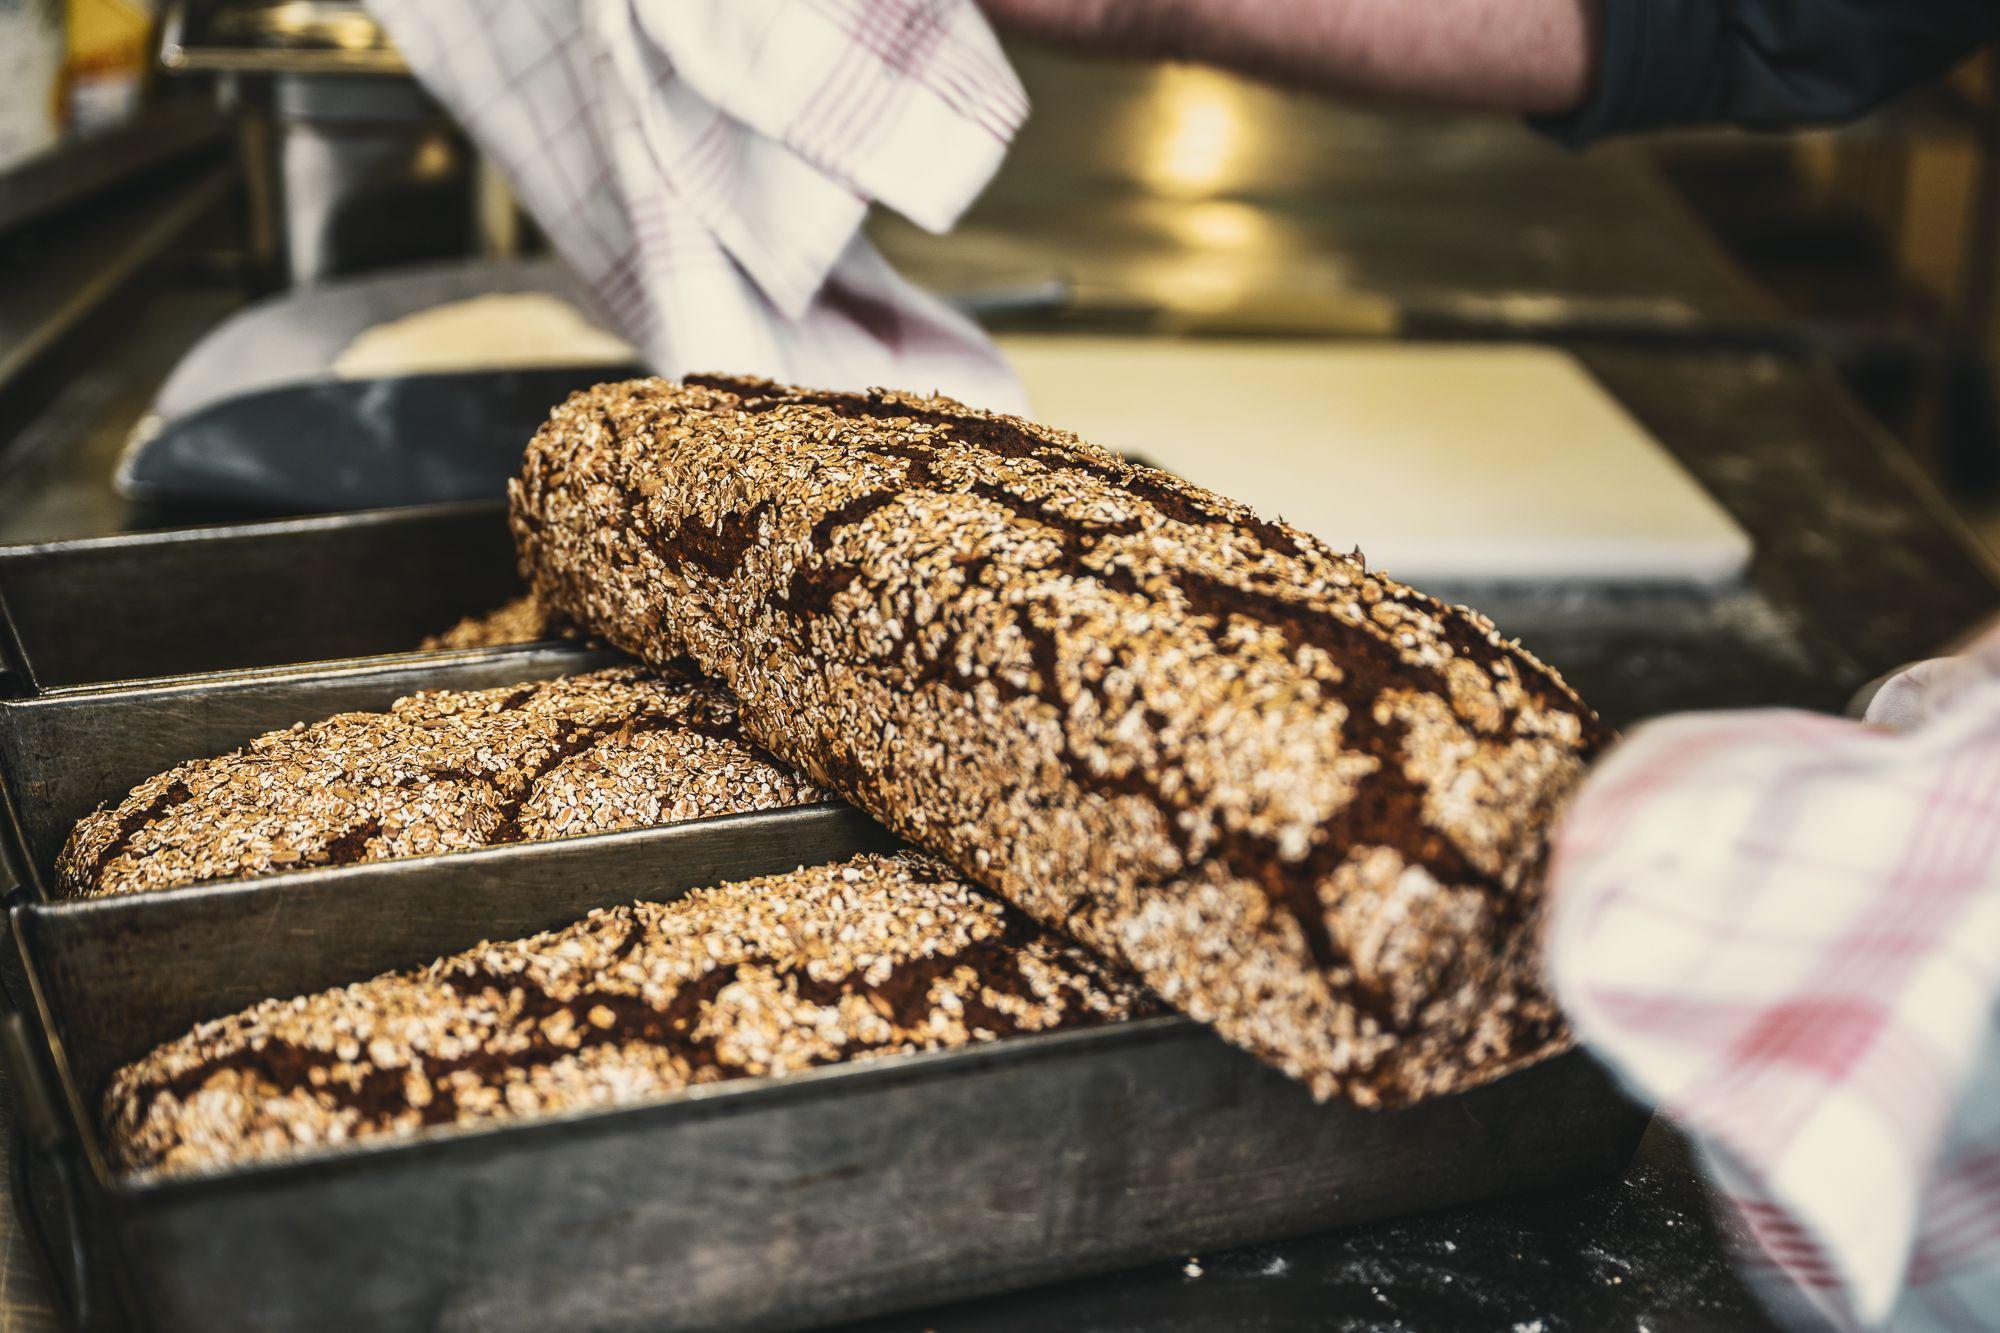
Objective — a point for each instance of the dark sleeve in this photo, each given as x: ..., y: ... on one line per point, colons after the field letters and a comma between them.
x: 1766, y: 64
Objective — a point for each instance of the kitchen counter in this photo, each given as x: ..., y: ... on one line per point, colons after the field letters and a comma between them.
x: 1859, y: 568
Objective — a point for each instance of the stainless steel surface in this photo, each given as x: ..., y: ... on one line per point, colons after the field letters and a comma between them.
x: 65, y: 277
x: 246, y: 595
x: 766, y: 1203
x: 57, y: 456
x: 157, y: 137
x: 274, y: 36
x: 1182, y: 198
x: 349, y: 163
x: 347, y: 173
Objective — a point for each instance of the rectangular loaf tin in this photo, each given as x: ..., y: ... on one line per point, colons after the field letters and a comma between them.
x: 238, y: 595
x: 833, y: 1194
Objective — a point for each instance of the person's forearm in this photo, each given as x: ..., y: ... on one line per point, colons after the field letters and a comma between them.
x: 1502, y: 55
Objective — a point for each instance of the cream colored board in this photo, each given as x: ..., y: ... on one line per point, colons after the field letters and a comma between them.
x: 1440, y: 462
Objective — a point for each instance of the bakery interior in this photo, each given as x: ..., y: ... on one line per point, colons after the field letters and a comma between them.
x: 1703, y: 419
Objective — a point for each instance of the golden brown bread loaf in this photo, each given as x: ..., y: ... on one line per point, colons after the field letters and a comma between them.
x: 440, y: 771
x: 877, y: 956
x: 520, y: 621
x: 1305, y: 803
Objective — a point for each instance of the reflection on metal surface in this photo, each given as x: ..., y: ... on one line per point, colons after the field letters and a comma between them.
x: 1220, y: 224
x: 342, y: 173
x: 435, y: 159
x: 1202, y: 132
x: 299, y: 23
x: 1218, y: 243
x: 1529, y: 311
x: 1348, y: 314
x: 77, y: 272
x: 1177, y: 198
x: 292, y: 36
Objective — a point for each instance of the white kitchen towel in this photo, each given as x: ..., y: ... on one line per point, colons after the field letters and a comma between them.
x: 705, y: 165
x: 1784, y: 929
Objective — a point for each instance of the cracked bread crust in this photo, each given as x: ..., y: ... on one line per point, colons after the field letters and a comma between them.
x: 1305, y: 803
x: 441, y: 771
x: 881, y: 955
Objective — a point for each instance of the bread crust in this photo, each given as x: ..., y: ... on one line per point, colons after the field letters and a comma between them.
x: 441, y: 771
x: 880, y: 955
x: 521, y: 620
x: 1307, y: 804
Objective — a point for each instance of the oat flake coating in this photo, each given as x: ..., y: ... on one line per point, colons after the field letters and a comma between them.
x: 520, y: 621
x: 1305, y: 803
x: 440, y: 771
x: 880, y: 955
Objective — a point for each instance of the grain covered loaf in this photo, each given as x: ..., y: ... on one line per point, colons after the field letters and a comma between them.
x: 521, y: 620
x: 876, y: 956
x: 1305, y: 803
x: 441, y: 771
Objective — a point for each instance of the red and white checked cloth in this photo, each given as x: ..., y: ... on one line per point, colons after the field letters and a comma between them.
x: 1784, y: 929
x: 705, y: 165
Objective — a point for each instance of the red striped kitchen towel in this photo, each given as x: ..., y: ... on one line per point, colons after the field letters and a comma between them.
x: 1784, y: 929
x: 706, y: 165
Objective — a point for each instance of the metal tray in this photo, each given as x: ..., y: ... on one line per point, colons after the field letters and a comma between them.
x: 831, y: 1195
x: 64, y: 754
x: 763, y: 1203
x: 246, y: 595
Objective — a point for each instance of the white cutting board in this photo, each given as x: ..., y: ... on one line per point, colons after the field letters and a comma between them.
x: 1442, y: 463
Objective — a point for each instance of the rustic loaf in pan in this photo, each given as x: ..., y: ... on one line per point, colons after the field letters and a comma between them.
x: 877, y: 956
x: 440, y: 771
x: 521, y: 620
x: 1305, y: 803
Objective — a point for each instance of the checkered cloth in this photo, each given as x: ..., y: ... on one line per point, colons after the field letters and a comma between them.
x: 705, y: 165
x: 1785, y: 930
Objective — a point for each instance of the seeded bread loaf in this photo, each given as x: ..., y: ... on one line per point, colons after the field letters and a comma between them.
x: 519, y: 621
x: 1304, y: 802
x: 440, y: 771
x: 881, y: 955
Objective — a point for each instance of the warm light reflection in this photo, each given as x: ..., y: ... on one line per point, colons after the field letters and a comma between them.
x: 1221, y: 224
x: 1201, y: 132
x: 298, y: 19
x: 1195, y: 285
x: 433, y: 160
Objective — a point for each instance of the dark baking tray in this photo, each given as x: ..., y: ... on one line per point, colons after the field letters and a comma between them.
x: 828, y: 1196
x: 64, y: 754
x: 758, y: 1204
x: 246, y: 595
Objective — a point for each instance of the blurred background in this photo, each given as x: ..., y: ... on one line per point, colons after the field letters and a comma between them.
x: 161, y: 166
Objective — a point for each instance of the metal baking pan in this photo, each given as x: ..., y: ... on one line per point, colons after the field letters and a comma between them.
x: 246, y: 595
x: 834, y: 1194
x: 62, y: 755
